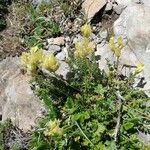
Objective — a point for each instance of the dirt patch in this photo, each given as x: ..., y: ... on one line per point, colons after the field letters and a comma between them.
x: 10, y: 42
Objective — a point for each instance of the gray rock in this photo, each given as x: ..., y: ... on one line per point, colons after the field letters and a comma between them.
x: 144, y: 137
x: 61, y: 56
x: 146, y: 2
x: 65, y: 49
x: 109, y: 6
x: 104, y: 53
x: 63, y: 70
x: 67, y: 39
x: 121, y: 4
x: 134, y: 25
x: 93, y: 36
x: 103, y: 34
x: 77, y: 38
x: 17, y: 100
x: 99, y: 40
x: 53, y: 48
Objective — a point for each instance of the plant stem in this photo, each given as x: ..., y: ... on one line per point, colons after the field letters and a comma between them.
x: 83, y: 133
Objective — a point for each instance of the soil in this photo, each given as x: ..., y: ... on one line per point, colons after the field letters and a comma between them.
x: 12, y: 45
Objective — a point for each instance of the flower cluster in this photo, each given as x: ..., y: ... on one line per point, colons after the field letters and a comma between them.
x: 116, y: 47
x: 140, y: 68
x: 85, y: 47
x: 36, y: 59
x: 86, y: 30
x: 52, y: 128
x: 32, y: 59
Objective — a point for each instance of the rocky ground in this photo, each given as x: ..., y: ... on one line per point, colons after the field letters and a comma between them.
x: 127, y: 18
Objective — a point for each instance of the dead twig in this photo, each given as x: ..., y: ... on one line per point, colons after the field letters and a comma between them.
x: 120, y: 104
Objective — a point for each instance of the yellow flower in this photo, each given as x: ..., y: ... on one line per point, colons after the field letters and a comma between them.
x: 52, y: 128
x: 120, y: 43
x: 117, y: 52
x: 140, y: 68
x: 84, y: 48
x: 116, y: 47
x: 25, y: 58
x: 86, y: 30
x: 50, y: 63
x: 32, y: 59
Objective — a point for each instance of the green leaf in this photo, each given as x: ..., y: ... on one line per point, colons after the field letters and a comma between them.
x: 100, y: 90
x: 100, y: 129
x: 111, y: 145
x: 82, y: 116
x: 43, y: 146
x: 128, y: 125
x: 38, y: 31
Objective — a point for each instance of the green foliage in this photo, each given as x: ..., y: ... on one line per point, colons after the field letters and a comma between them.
x: 12, y: 138
x: 70, y: 8
x: 4, y: 127
x: 4, y: 132
x: 87, y: 106
x: 35, y: 24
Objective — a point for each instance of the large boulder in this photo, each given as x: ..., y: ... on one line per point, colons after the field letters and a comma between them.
x: 134, y: 26
x: 146, y: 2
x: 17, y: 101
x: 91, y: 7
x: 120, y: 5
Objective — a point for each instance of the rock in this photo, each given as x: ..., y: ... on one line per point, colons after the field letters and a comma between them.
x: 67, y: 39
x: 98, y: 40
x: 61, y: 56
x: 17, y: 100
x: 104, y: 52
x: 104, y: 34
x: 146, y: 2
x: 53, y: 48
x: 65, y: 49
x: 63, y: 70
x: 144, y: 137
x: 109, y: 6
x: 77, y: 38
x: 121, y: 4
x: 56, y: 41
x: 91, y: 7
x: 134, y: 25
